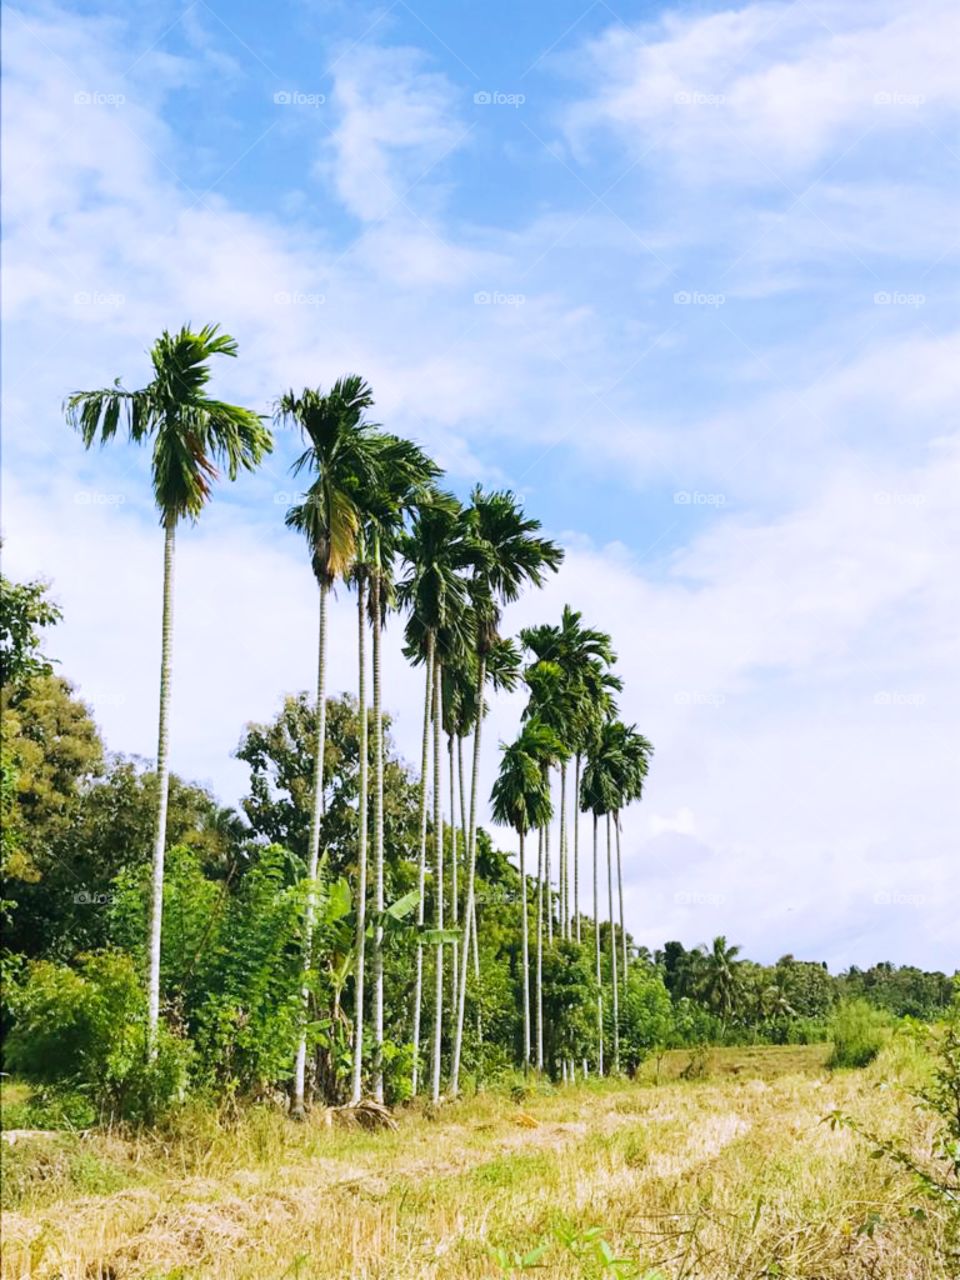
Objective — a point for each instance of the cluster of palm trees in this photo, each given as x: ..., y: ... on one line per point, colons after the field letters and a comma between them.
x: 374, y: 517
x: 571, y: 713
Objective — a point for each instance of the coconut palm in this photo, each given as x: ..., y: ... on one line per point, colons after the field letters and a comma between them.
x: 192, y: 435
x: 341, y: 454
x: 440, y: 624
x: 720, y: 977
x: 507, y: 552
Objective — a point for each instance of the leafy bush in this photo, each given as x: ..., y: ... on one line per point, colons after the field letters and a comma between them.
x: 84, y: 1030
x: 858, y: 1032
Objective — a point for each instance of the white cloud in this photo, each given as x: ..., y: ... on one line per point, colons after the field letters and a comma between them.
x: 766, y: 92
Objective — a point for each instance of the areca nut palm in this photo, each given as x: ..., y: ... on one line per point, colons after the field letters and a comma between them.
x: 407, y: 477
x: 521, y: 800
x: 434, y: 592
x: 342, y: 458
x: 507, y: 552
x: 192, y: 435
x: 635, y: 752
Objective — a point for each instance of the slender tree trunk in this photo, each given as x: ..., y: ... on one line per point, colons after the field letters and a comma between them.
x: 614, y: 984
x: 564, y: 877
x: 378, y: 854
x: 361, y: 909
x: 525, y: 953
x: 163, y: 787
x: 547, y: 885
x: 313, y: 853
x: 539, y: 974
x: 470, y: 907
x: 596, y: 949
x: 422, y: 864
x: 576, y: 846
x: 438, y: 886
x: 623, y: 932
x: 454, y: 883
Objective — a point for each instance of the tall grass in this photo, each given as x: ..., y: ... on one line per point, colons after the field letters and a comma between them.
x: 859, y: 1032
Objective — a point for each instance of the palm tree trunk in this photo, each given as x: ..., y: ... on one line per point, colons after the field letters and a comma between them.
x: 525, y: 954
x: 313, y: 852
x: 576, y: 846
x: 163, y: 784
x: 438, y: 886
x: 470, y: 907
x: 422, y: 864
x: 548, y: 887
x: 564, y: 878
x: 614, y: 984
x: 378, y: 902
x: 623, y: 932
x: 361, y: 909
x: 596, y: 950
x: 454, y: 880
x: 539, y: 974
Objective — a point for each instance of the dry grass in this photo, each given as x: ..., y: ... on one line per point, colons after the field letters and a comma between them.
x: 728, y: 1178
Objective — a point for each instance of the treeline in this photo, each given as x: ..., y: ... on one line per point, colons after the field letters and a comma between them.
x: 353, y: 933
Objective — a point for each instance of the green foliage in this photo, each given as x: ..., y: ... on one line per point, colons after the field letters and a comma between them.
x: 84, y: 1029
x: 858, y: 1032
x: 24, y: 612
x: 646, y: 1016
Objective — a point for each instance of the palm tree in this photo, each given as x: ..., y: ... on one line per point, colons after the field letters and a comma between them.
x: 407, y: 476
x: 507, y: 552
x: 435, y: 551
x: 720, y: 978
x: 600, y: 795
x: 522, y: 801
x: 595, y: 704
x: 192, y: 436
x: 342, y: 455
x: 635, y: 752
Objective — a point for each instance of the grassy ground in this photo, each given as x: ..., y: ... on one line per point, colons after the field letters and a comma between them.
x: 727, y: 1177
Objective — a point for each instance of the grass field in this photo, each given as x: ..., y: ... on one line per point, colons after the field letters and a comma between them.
x: 727, y: 1177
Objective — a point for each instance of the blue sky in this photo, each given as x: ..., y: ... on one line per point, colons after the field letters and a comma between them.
x: 684, y: 276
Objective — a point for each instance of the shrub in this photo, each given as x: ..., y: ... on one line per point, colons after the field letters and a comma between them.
x: 83, y: 1030
x: 858, y: 1032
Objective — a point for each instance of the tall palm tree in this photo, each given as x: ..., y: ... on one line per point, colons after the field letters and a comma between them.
x: 407, y: 477
x: 595, y: 704
x: 342, y: 456
x: 192, y: 435
x: 635, y: 753
x: 600, y: 796
x: 434, y: 592
x: 507, y: 552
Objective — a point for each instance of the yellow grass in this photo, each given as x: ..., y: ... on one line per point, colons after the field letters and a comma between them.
x: 727, y: 1178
